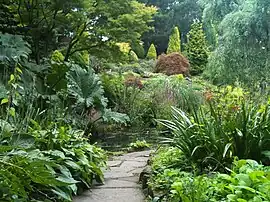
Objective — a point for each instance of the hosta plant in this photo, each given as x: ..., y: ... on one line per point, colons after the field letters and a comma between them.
x: 51, y: 164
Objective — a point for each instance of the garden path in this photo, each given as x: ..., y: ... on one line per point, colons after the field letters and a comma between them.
x: 121, y: 180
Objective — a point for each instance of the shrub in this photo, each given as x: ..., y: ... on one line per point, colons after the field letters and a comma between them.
x: 168, y: 157
x: 174, y: 42
x: 146, y: 99
x: 133, y: 57
x: 47, y: 165
x: 211, y: 136
x: 57, y: 56
x: 174, y: 63
x: 197, y: 49
x: 138, y: 49
x: 126, y: 95
x: 152, y: 52
x: 138, y: 145
x: 247, y: 181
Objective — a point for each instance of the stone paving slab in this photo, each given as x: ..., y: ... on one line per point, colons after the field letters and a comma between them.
x: 131, y: 156
x: 116, y: 173
x: 131, y: 165
x: 121, y: 180
x: 112, y: 195
x: 114, y: 163
x: 119, y: 183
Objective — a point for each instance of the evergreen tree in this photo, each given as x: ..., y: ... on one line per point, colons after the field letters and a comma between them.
x: 133, y: 56
x: 197, y: 49
x: 174, y: 42
x: 138, y: 49
x: 152, y: 52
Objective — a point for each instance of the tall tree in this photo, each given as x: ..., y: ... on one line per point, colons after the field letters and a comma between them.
x: 214, y: 12
x: 8, y: 21
x: 244, y: 44
x: 92, y: 25
x: 171, y: 13
x: 196, y: 48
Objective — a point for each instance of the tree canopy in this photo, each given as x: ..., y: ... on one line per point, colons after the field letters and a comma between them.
x: 171, y: 13
x: 92, y: 25
x: 243, y: 46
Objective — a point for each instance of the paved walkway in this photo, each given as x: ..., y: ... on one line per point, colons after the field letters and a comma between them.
x: 121, y: 180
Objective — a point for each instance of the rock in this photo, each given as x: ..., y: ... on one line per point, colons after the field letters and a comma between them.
x: 144, y: 176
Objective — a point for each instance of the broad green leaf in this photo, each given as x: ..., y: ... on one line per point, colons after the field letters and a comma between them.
x: 68, y: 180
x: 4, y: 101
x: 241, y: 200
x: 73, y: 165
x: 12, y: 78
x: 12, y: 111
x: 62, y: 194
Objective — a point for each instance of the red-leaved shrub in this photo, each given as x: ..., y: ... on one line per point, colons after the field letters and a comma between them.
x: 173, y: 63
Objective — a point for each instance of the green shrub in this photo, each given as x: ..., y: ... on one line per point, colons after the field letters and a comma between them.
x: 246, y: 181
x: 152, y: 52
x: 168, y: 157
x: 47, y: 165
x: 139, y: 145
x: 196, y: 48
x: 174, y: 42
x: 57, y: 56
x: 133, y: 57
x: 229, y: 126
x: 138, y: 49
x: 147, y: 99
x: 126, y: 95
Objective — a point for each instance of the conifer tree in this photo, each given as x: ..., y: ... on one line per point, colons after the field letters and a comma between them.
x: 152, y: 52
x: 133, y: 56
x: 174, y: 42
x: 196, y: 48
x: 138, y: 49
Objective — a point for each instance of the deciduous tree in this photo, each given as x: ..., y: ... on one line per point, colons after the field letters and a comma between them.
x: 92, y: 25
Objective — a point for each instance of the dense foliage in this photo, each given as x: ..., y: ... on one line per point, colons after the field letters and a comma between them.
x: 171, y: 13
x: 145, y: 100
x: 228, y: 126
x: 247, y: 180
x: 243, y: 48
x: 49, y: 164
x: 45, y: 155
x: 74, y: 72
x: 94, y: 26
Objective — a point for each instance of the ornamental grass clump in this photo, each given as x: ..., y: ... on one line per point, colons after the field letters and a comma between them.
x: 227, y: 126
